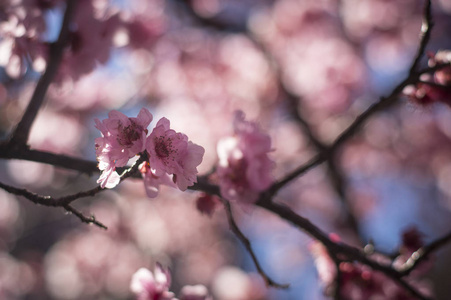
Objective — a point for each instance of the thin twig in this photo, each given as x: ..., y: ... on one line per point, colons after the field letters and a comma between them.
x: 65, y: 201
x: 83, y: 218
x: 245, y: 241
x: 22, y: 131
x: 49, y: 200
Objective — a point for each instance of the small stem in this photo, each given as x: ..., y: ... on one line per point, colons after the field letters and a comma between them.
x: 245, y: 241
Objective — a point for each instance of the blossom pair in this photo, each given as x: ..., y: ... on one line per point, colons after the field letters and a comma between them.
x: 172, y: 158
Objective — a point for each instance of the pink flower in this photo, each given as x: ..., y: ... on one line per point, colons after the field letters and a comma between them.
x: 91, y: 40
x: 152, y: 286
x: 122, y: 138
x: 170, y: 152
x: 244, y: 168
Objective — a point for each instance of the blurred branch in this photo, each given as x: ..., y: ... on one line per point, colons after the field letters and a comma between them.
x: 383, y: 103
x: 425, y: 35
x: 293, y: 102
x: 423, y: 253
x: 22, y: 131
x: 339, y: 251
x: 245, y: 241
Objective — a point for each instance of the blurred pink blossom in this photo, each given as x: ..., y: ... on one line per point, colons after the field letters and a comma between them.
x: 170, y: 152
x: 244, y: 168
x: 207, y: 204
x: 152, y: 286
x: 194, y: 292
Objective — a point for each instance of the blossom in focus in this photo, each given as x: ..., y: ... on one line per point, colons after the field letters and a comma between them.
x: 152, y: 286
x: 172, y: 153
x: 244, y: 168
x: 122, y: 138
x: 194, y: 292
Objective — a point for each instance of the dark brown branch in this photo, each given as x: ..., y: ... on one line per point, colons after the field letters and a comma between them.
x: 58, y: 160
x: 65, y: 201
x: 245, y: 241
x: 313, y: 162
x: 425, y: 36
x: 340, y: 251
x: 22, y: 131
x: 335, y: 175
x: 49, y: 200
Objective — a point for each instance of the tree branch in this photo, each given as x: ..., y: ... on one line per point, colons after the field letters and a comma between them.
x: 425, y: 36
x: 65, y: 201
x: 22, y: 131
x: 245, y: 241
x: 83, y: 218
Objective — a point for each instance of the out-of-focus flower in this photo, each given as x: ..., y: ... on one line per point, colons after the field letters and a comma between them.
x: 436, y: 87
x: 244, y: 168
x: 207, y: 204
x: 152, y: 286
x: 122, y: 138
x: 359, y: 281
x: 170, y: 152
x: 194, y: 292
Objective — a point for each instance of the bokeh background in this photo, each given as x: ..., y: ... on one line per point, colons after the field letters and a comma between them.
x: 196, y: 62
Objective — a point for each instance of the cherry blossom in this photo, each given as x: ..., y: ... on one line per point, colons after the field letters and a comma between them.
x: 91, y: 42
x: 122, y: 138
x: 244, y: 168
x: 152, y: 286
x: 171, y: 152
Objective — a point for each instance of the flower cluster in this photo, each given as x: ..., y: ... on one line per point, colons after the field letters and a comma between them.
x: 172, y: 158
x: 97, y: 26
x: 436, y: 87
x: 155, y: 286
x: 244, y: 168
